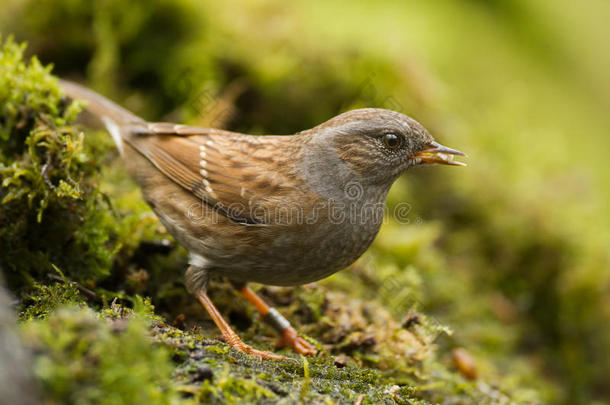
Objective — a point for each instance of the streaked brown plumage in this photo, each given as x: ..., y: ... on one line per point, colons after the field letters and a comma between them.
x: 280, y: 210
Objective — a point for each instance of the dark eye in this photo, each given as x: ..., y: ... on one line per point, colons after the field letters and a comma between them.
x: 392, y: 141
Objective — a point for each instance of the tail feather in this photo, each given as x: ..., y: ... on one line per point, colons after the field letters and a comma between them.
x: 113, y: 116
x: 115, y: 131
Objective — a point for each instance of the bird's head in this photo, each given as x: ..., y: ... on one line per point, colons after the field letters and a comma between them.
x: 380, y: 145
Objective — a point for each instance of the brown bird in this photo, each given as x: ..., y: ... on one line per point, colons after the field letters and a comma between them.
x: 277, y: 210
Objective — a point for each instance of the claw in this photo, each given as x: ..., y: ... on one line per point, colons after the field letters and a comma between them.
x: 290, y: 338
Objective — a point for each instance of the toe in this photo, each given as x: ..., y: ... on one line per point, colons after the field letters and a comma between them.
x: 291, y: 339
x: 303, y: 347
x: 244, y: 348
x: 265, y: 355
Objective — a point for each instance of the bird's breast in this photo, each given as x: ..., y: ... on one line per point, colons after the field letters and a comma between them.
x: 301, y: 246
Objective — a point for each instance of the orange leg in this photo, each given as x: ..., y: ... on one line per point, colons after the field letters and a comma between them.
x: 290, y: 337
x: 228, y: 334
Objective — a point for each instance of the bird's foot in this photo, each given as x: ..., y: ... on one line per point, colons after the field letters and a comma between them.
x: 230, y: 337
x: 239, y: 345
x: 290, y: 338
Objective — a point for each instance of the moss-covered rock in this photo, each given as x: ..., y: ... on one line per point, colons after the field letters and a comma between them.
x: 84, y: 358
x: 51, y: 212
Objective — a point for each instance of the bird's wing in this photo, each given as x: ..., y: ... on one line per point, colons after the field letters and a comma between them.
x: 235, y: 174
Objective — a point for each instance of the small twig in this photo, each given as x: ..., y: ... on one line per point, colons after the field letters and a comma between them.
x: 359, y: 400
x: 87, y: 292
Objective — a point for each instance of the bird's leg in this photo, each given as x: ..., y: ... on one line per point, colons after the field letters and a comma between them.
x: 290, y: 337
x: 228, y: 334
x: 196, y: 281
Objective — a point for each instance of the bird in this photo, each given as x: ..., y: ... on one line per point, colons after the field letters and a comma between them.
x: 280, y: 210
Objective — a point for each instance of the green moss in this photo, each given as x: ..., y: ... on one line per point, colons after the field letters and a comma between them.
x: 50, y: 209
x: 84, y: 359
x: 28, y: 92
x: 43, y: 299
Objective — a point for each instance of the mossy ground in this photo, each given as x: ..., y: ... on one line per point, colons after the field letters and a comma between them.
x: 122, y: 355
x: 506, y: 259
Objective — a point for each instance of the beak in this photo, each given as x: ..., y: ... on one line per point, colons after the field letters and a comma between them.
x: 437, y: 153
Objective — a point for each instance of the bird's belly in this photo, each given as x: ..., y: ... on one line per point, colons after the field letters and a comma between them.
x: 299, y: 256
x: 274, y: 254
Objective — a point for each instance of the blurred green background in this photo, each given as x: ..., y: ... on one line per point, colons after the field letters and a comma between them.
x: 516, y: 246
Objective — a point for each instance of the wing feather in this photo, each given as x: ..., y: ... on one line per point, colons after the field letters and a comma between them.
x: 228, y: 171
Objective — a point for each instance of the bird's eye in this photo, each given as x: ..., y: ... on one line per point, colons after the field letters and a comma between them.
x: 392, y: 141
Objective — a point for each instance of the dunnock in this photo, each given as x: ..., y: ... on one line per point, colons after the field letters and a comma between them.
x: 278, y: 210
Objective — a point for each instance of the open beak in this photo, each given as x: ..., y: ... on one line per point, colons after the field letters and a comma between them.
x: 438, y: 153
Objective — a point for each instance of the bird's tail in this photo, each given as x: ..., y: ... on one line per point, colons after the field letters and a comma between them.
x: 114, y: 117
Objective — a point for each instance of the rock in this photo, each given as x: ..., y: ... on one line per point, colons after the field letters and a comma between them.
x: 16, y: 383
